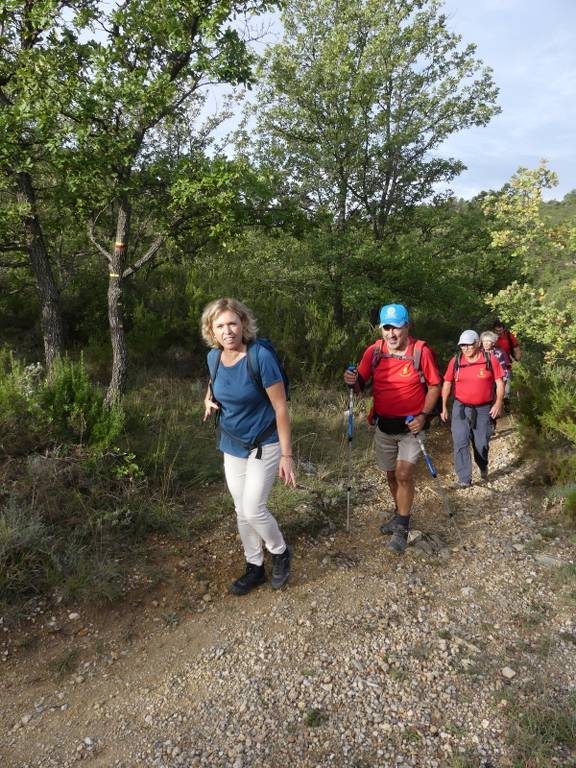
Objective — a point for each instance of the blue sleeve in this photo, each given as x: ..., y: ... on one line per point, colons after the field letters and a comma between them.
x: 270, y: 372
x: 211, y: 358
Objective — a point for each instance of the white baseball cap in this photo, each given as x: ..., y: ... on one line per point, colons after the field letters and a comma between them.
x: 468, y: 337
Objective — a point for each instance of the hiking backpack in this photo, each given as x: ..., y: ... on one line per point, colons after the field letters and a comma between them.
x: 379, y: 354
x: 458, y: 363
x: 416, y: 358
x: 252, y: 363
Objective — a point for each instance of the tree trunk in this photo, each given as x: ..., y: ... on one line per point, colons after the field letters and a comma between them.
x: 338, y: 304
x: 48, y: 293
x: 119, y: 373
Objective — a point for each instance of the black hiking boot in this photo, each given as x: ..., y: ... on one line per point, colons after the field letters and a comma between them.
x: 281, y: 568
x: 399, y: 540
x: 484, y: 474
x: 388, y: 527
x: 254, y: 576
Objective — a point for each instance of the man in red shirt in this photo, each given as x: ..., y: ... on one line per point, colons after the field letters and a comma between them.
x: 478, y: 381
x: 405, y: 382
x: 507, y: 341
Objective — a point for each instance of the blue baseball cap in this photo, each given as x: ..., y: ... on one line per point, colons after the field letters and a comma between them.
x: 394, y: 314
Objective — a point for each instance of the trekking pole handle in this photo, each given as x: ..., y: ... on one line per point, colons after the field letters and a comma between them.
x: 351, y: 368
x: 420, y: 441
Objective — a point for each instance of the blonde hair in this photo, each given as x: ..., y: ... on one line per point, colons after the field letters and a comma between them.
x: 489, y: 336
x: 216, y: 308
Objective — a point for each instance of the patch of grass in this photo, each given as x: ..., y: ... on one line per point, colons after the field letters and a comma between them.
x: 26, y: 550
x: 543, y: 729
x: 411, y: 735
x: 444, y: 634
x: 171, y: 619
x: 398, y: 675
x: 215, y: 509
x: 315, y: 718
x: 83, y: 575
x: 568, y: 637
x: 64, y: 665
x: 565, y: 578
x: 534, y: 617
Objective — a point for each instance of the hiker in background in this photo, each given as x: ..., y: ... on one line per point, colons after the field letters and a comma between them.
x: 507, y: 341
x: 405, y: 382
x: 488, y: 340
x: 253, y: 433
x: 478, y: 382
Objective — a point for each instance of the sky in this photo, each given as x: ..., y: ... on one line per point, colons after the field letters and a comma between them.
x: 531, y: 47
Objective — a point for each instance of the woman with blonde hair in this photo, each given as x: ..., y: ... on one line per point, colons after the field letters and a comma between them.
x: 253, y: 433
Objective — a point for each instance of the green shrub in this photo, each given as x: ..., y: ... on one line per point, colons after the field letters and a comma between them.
x: 21, y: 416
x: 75, y: 408
x: 547, y: 413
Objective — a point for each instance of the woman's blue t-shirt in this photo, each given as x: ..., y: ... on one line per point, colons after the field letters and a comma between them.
x: 244, y: 410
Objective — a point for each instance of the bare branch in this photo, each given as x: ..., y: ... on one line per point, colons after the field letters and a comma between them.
x: 100, y: 248
x: 19, y: 289
x: 148, y: 256
x: 11, y: 247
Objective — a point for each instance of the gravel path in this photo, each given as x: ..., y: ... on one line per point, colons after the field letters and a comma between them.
x: 367, y: 659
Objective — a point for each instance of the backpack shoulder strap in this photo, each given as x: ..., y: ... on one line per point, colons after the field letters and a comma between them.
x: 253, y: 364
x: 457, y: 362
x: 377, y: 355
x: 487, y: 358
x: 214, y: 363
x: 417, y: 352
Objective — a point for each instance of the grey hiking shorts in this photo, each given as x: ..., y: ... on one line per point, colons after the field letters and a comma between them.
x: 392, y: 448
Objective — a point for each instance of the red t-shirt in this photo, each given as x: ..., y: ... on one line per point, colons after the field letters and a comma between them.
x: 396, y: 386
x: 507, y: 342
x: 475, y: 385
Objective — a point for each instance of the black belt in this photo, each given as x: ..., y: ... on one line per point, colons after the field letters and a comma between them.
x: 257, y: 443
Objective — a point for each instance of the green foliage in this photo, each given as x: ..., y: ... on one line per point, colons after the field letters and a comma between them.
x: 357, y: 95
x: 547, y: 413
x: 75, y: 408
x: 21, y: 416
x: 540, y: 306
x: 66, y: 407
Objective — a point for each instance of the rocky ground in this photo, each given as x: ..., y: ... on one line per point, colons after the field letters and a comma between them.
x: 366, y: 659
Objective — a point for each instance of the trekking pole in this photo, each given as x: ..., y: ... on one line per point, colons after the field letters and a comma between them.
x: 420, y: 441
x: 350, y: 436
x: 432, y: 470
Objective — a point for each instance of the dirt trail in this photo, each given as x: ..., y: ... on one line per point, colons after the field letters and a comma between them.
x: 366, y: 659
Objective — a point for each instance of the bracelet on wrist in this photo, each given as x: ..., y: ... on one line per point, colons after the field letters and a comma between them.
x: 286, y: 456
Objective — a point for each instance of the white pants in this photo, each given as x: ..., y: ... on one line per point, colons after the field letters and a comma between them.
x: 250, y: 482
